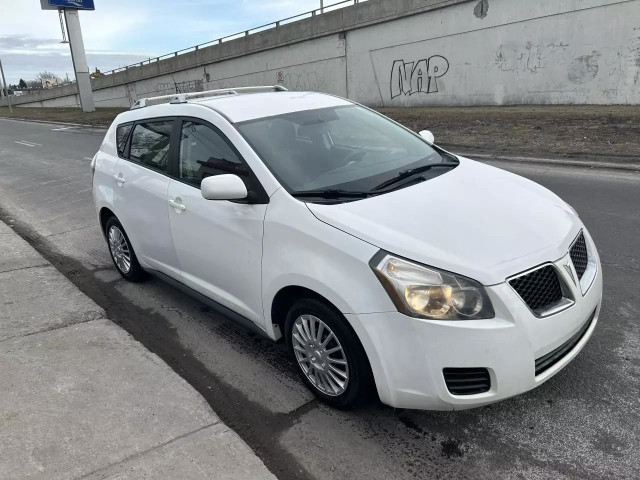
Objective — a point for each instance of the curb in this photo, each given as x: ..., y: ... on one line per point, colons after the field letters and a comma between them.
x: 56, y: 324
x: 589, y: 164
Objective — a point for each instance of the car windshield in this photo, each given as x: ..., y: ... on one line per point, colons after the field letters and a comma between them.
x: 342, y: 150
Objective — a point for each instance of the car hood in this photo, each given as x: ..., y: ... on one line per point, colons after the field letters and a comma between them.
x: 476, y: 220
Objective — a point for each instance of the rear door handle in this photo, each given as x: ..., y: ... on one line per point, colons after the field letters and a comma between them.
x: 178, y: 206
x: 119, y: 179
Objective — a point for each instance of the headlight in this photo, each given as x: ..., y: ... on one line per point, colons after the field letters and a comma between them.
x: 427, y: 292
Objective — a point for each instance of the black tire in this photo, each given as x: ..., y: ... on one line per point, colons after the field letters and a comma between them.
x: 134, y: 273
x: 360, y: 388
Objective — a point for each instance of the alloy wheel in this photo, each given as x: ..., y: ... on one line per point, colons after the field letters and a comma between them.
x: 320, y: 355
x: 119, y: 249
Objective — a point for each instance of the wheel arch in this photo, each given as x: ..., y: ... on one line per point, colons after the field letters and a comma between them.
x: 105, y: 215
x: 285, y: 299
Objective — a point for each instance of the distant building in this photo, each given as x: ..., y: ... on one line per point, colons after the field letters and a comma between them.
x: 50, y: 82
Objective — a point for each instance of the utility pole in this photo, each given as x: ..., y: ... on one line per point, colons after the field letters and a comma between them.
x: 79, y: 59
x: 6, y: 89
x: 321, y: 6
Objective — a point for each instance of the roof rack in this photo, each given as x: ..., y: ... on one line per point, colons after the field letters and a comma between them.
x: 183, y: 97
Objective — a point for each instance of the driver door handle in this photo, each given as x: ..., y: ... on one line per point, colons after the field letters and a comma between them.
x: 176, y: 205
x: 119, y: 179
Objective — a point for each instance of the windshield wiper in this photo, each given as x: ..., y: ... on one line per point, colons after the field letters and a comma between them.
x: 411, y: 172
x: 331, y: 194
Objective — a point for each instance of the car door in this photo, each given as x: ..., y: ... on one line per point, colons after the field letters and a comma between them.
x: 218, y: 242
x: 140, y: 199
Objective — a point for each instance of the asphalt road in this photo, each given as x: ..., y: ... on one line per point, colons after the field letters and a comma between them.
x: 583, y: 423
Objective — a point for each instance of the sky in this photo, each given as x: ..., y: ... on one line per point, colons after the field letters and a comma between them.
x: 122, y: 32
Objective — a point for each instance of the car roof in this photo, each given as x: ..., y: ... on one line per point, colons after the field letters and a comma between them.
x: 244, y: 107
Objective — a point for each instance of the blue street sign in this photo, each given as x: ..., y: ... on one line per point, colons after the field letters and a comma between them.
x: 77, y: 4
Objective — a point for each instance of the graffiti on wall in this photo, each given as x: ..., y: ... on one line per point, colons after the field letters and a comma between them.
x: 584, y: 69
x: 409, y: 78
x: 188, y: 86
x: 302, y: 81
x: 530, y: 57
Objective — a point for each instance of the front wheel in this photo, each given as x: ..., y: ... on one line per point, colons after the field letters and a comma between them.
x: 328, y: 355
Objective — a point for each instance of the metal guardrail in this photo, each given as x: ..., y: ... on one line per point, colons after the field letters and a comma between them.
x: 246, y: 33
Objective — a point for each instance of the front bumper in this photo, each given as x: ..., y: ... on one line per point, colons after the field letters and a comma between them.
x: 408, y: 355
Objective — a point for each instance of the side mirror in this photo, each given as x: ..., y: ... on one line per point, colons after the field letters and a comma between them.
x: 223, y: 187
x: 428, y: 136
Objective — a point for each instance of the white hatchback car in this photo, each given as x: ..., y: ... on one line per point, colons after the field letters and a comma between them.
x: 385, y: 262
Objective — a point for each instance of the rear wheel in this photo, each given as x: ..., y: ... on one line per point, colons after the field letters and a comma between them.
x: 328, y: 355
x: 122, y: 254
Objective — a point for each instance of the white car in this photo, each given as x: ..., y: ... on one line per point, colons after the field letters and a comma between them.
x: 387, y: 264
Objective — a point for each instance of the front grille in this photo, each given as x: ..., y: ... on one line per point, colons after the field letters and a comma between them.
x: 467, y: 381
x: 579, y: 255
x: 550, y: 359
x: 539, y: 289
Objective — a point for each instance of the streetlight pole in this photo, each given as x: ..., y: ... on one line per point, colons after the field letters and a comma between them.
x: 321, y: 6
x: 6, y: 90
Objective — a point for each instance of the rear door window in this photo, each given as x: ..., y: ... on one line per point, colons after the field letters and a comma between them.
x: 150, y: 144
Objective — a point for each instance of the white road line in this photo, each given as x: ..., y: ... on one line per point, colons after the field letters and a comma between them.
x: 31, y: 144
x: 87, y: 158
x: 24, y: 143
x: 60, y: 129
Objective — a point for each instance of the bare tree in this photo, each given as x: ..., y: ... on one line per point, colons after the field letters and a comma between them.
x: 44, y: 75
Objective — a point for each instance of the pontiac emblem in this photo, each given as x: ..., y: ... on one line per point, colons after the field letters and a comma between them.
x: 567, y: 267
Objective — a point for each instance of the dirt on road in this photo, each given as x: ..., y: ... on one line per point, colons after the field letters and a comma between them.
x: 570, y: 131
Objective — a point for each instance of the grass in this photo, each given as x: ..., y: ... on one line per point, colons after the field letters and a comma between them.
x: 558, y: 131
x: 102, y: 117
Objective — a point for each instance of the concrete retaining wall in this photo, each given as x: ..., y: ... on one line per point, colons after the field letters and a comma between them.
x: 521, y: 52
x: 413, y: 52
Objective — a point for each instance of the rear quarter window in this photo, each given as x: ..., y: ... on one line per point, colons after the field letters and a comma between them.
x: 122, y: 135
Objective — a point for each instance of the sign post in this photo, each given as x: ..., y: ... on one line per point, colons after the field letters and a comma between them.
x: 80, y: 66
x: 79, y: 60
